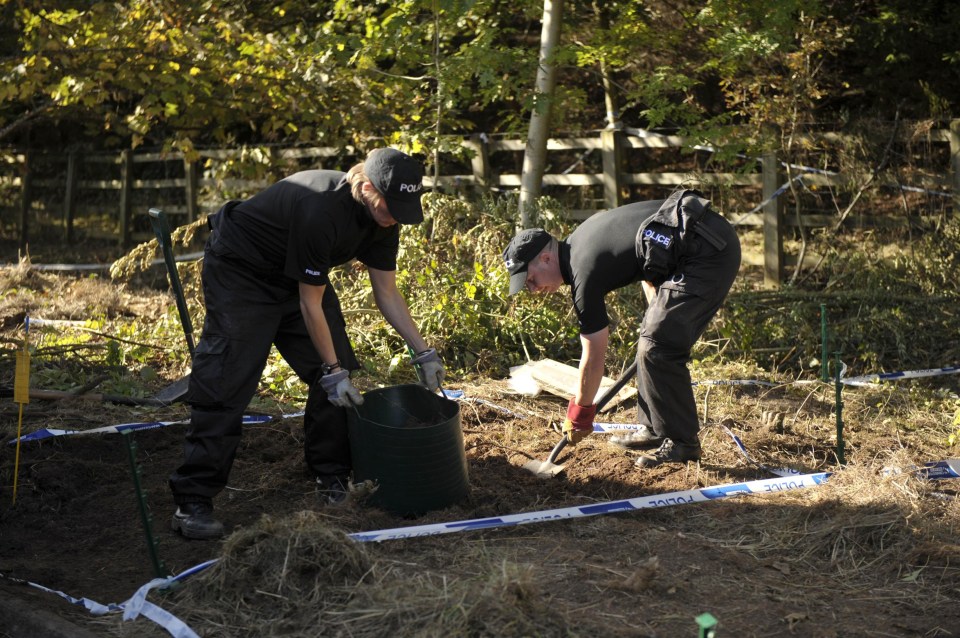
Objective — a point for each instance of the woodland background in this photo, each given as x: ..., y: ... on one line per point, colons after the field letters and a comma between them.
x: 847, y: 86
x: 740, y: 75
x: 743, y: 77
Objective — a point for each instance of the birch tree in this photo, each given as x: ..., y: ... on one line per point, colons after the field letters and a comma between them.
x: 535, y: 155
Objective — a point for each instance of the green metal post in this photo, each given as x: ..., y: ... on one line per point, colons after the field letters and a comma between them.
x: 824, y: 363
x: 707, y: 624
x: 158, y: 567
x: 839, y: 402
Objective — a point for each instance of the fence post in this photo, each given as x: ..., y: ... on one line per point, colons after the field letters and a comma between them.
x: 772, y: 235
x: 25, y: 201
x: 954, y: 135
x: 480, y: 162
x: 612, y: 142
x: 70, y: 196
x: 191, y: 173
x: 126, y: 189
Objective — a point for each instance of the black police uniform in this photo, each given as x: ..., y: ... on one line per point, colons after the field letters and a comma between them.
x: 256, y: 256
x: 692, y: 254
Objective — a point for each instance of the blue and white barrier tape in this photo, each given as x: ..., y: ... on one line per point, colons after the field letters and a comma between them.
x: 139, y: 605
x: 669, y: 499
x: 777, y: 193
x: 638, y: 132
x: 936, y: 470
x: 460, y: 395
x: 868, y: 379
x: 47, y: 433
x: 136, y: 606
x: 607, y: 428
x: 105, y: 267
x: 768, y: 384
x: 782, y: 471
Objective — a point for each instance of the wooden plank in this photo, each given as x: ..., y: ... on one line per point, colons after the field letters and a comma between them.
x: 301, y: 153
x: 70, y: 195
x: 26, y: 199
x: 126, y: 198
x: 191, y: 190
x: 612, y: 162
x: 772, y: 218
x: 659, y: 141
x: 568, y: 144
x: 562, y: 380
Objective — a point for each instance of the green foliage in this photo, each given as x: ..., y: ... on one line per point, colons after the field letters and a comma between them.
x: 348, y: 74
x: 320, y: 72
x: 451, y: 274
x: 954, y: 437
x: 886, y: 309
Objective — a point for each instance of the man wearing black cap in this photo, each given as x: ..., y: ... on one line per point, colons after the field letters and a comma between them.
x: 266, y: 283
x: 686, y: 257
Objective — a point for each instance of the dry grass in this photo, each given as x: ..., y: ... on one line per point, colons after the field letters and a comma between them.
x: 865, y: 542
x: 862, y: 533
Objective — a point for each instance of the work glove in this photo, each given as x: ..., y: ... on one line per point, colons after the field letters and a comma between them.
x: 579, y: 422
x: 340, y: 390
x: 429, y: 368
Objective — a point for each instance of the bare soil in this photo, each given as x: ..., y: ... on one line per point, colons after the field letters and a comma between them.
x: 864, y: 554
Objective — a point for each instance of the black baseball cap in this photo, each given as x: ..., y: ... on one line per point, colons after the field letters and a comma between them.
x: 521, y: 250
x: 399, y: 178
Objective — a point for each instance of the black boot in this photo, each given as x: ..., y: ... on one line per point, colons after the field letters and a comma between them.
x: 643, y: 438
x: 195, y: 520
x: 334, y: 489
x: 670, y: 452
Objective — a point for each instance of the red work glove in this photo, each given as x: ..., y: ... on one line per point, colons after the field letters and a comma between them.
x: 579, y: 422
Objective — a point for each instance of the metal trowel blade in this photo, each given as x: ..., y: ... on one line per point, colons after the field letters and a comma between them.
x: 174, y: 392
x: 543, y: 469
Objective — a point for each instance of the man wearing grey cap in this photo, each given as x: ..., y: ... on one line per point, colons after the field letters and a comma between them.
x: 686, y: 257
x: 266, y: 283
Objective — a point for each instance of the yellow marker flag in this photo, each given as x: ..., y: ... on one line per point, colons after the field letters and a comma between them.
x: 21, y: 395
x: 21, y: 379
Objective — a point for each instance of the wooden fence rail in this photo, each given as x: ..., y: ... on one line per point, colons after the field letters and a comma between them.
x: 188, y: 189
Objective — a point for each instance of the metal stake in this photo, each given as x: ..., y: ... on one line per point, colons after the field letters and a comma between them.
x: 839, y: 403
x: 158, y: 567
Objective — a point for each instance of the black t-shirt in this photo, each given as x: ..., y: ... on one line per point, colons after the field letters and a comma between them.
x: 304, y: 225
x: 600, y: 256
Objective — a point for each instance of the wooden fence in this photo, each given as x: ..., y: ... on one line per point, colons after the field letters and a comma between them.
x: 587, y: 174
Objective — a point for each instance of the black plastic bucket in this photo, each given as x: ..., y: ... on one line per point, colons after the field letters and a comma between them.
x: 408, y: 441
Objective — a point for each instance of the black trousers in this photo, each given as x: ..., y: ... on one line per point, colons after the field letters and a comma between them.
x: 673, y: 322
x: 247, y: 313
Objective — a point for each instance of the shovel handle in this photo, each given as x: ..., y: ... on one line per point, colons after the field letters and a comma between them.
x: 611, y: 392
x: 621, y: 381
x: 557, y: 449
x: 161, y: 228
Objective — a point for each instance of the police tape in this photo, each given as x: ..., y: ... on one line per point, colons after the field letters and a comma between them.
x: 768, y: 384
x: 643, y: 133
x: 669, y: 499
x: 47, y: 433
x: 138, y: 605
x: 947, y: 469
x: 869, y: 379
x: 460, y: 395
x: 780, y: 471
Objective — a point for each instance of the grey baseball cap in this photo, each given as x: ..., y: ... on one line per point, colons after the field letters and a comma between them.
x: 399, y: 178
x: 521, y: 250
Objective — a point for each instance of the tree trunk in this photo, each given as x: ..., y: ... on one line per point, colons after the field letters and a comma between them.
x: 535, y: 155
